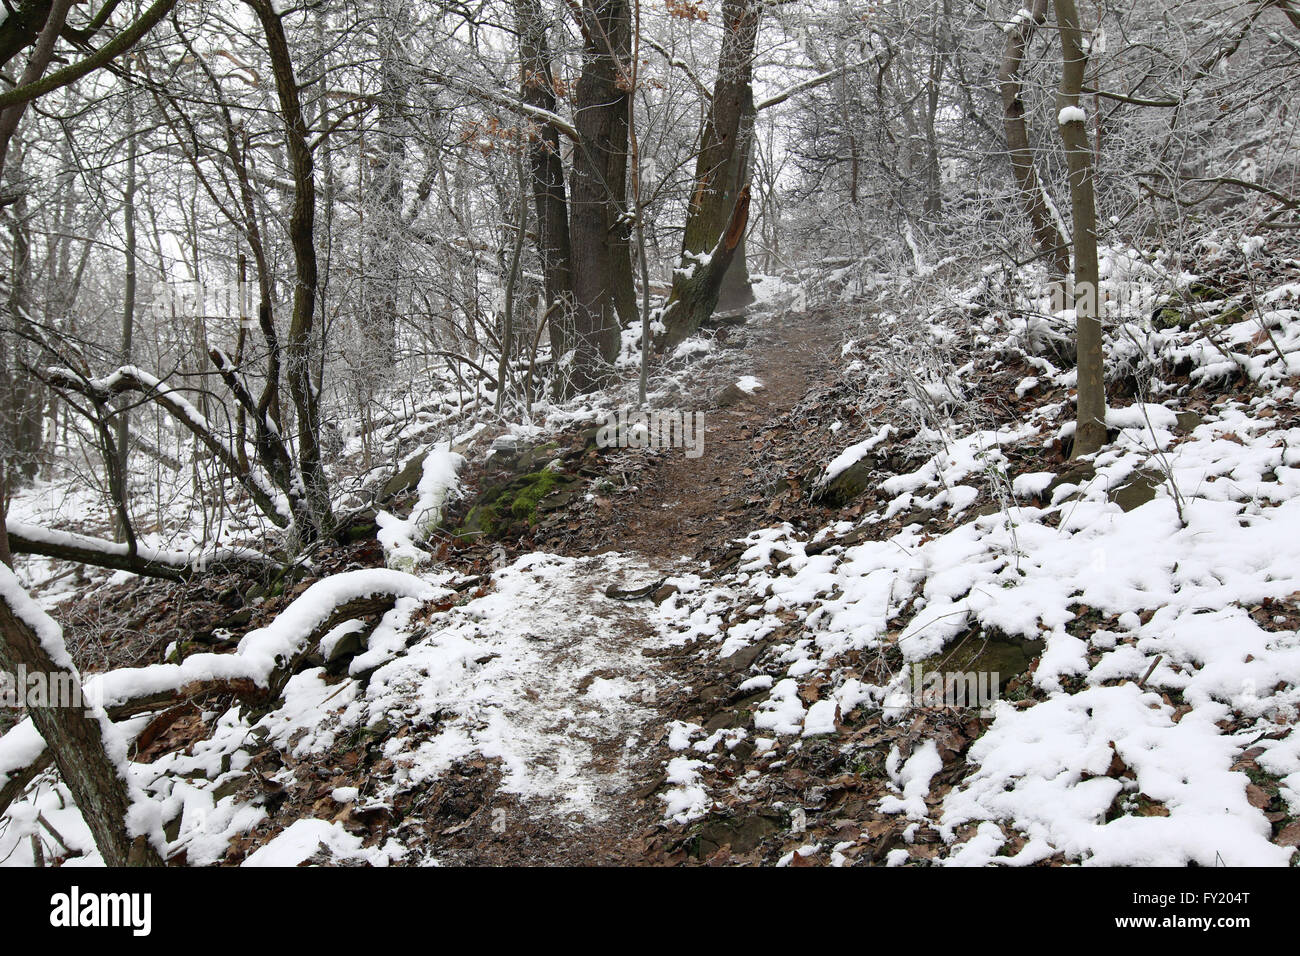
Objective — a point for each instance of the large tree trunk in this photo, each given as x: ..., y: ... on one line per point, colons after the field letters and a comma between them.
x: 1048, y: 240
x: 599, y: 183
x: 546, y: 169
x: 1090, y: 429
x: 721, y: 171
x: 31, y: 641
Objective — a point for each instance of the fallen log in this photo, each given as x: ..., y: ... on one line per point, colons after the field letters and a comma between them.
x: 146, y: 561
x: 256, y: 673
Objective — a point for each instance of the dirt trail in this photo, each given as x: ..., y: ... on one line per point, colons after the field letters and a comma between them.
x: 682, y: 505
x: 679, y: 508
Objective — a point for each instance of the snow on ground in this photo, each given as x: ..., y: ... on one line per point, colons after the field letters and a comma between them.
x: 544, y: 673
x: 541, y: 672
x: 1187, y: 678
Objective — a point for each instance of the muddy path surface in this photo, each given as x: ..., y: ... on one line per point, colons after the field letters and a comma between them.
x: 682, y: 506
x: 677, y: 510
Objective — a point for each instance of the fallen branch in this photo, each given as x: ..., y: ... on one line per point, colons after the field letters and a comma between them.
x: 146, y: 561
x: 256, y: 673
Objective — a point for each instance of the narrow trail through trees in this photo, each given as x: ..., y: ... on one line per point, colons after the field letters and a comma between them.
x: 684, y: 504
x: 604, y: 680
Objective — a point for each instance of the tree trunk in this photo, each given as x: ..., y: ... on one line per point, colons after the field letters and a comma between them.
x: 696, y: 293
x: 721, y: 172
x: 1090, y: 429
x: 599, y: 182
x: 31, y: 641
x: 546, y: 167
x: 1047, y: 236
x: 123, y: 411
x: 306, y: 398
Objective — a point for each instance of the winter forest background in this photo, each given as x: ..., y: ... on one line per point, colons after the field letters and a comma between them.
x: 310, y: 314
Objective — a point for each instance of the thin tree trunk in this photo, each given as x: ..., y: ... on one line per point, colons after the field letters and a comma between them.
x: 1090, y: 429
x: 123, y: 437
x: 1047, y: 237
x: 305, y: 396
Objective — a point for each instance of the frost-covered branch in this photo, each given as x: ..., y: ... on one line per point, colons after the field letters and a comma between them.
x: 118, y: 556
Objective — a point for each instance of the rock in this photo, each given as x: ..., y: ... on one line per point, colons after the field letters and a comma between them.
x: 504, y: 448
x: 726, y: 720
x: 1289, y: 835
x: 744, y: 657
x: 1077, y: 473
x: 742, y: 834
x: 345, y: 648
x: 733, y: 394
x: 1187, y: 422
x: 848, y: 484
x: 230, y: 787
x: 556, y: 501
x: 239, y: 619
x: 659, y: 595
x: 1137, y: 491
x: 408, y: 477
x: 987, y: 653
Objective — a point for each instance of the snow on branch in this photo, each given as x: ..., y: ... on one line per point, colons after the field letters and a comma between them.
x: 144, y: 560
x: 130, y: 378
x: 259, y: 668
x: 810, y: 84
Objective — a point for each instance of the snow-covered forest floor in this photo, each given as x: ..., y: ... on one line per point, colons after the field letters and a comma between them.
x: 593, y: 654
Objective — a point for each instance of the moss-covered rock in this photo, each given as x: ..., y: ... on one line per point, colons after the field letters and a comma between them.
x: 990, y: 652
x: 512, y: 503
x: 1137, y: 491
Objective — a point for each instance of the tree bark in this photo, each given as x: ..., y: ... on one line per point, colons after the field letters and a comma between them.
x: 1090, y: 428
x: 31, y: 641
x: 1048, y: 239
x: 302, y: 217
x: 597, y: 191
x: 546, y: 167
x: 695, y: 293
x: 116, y: 556
x: 721, y: 171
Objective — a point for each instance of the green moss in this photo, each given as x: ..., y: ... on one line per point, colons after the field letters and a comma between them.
x: 540, y: 484
x: 516, y: 500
